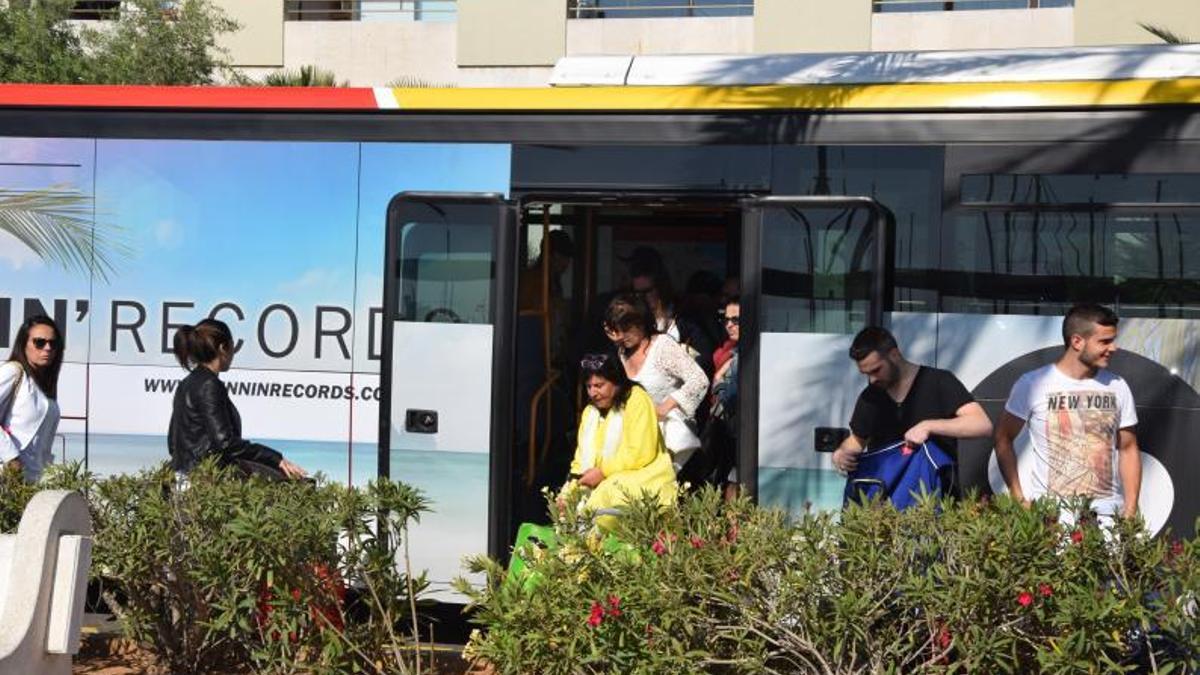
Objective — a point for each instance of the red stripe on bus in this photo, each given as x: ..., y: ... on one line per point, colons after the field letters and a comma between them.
x: 114, y: 96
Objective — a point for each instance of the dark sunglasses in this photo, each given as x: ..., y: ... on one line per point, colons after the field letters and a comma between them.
x: 42, y: 343
x: 593, y: 361
x: 732, y: 320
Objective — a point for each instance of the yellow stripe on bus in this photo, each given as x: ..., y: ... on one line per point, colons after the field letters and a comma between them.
x: 988, y: 95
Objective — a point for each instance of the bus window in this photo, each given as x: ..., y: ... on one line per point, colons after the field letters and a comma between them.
x: 816, y: 270
x: 906, y: 178
x: 1139, y: 260
x: 1007, y: 188
x: 446, y: 272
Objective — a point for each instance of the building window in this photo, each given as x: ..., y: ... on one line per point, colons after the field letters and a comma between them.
x: 644, y: 9
x: 370, y: 10
x: 892, y: 6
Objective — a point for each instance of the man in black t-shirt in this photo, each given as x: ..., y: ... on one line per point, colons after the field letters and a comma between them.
x: 905, y: 401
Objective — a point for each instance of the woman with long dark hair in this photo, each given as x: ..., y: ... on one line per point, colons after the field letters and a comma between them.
x: 620, y: 452
x: 29, y: 411
x: 204, y: 421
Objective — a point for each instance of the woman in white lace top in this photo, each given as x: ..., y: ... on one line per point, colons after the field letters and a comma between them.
x: 664, y: 369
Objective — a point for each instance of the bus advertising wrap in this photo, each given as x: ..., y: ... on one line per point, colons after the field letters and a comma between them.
x: 281, y: 240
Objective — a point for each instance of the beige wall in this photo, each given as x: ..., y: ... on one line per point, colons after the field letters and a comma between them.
x: 694, y: 35
x: 511, y: 32
x: 260, y: 40
x: 1102, y: 22
x: 812, y: 26
x: 373, y: 53
x: 990, y: 29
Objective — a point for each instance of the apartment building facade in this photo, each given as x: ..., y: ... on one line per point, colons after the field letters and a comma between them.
x: 517, y: 42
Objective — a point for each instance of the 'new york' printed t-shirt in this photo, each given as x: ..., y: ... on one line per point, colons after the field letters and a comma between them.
x: 1073, y: 427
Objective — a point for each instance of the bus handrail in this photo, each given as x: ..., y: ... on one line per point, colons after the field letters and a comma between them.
x: 534, y: 455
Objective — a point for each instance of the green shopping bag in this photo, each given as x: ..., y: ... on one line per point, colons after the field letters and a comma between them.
x: 530, y: 537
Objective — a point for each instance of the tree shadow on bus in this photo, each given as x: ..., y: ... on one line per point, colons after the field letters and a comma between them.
x: 805, y: 91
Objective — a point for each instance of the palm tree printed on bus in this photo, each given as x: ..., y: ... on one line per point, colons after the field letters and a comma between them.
x: 57, y: 223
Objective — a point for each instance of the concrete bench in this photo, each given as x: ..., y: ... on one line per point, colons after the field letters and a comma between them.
x: 43, y: 583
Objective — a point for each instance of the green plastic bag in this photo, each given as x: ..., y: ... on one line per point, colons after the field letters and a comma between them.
x: 529, y: 537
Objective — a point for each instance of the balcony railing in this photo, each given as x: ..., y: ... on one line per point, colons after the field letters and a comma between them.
x: 95, y: 10
x: 370, y: 10
x: 964, y: 5
x: 639, y: 9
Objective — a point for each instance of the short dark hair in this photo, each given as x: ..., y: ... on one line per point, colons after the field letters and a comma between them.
x: 1081, y: 318
x: 872, y: 339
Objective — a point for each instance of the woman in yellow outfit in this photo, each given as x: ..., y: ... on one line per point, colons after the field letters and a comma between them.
x: 620, y: 452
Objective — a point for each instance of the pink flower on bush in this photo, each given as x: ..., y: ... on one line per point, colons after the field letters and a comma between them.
x: 659, y: 547
x: 1025, y: 598
x: 614, y: 605
x: 1045, y: 590
x: 1076, y: 536
x: 597, y: 616
x: 943, y: 637
x: 697, y: 542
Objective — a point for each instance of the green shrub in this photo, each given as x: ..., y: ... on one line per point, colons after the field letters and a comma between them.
x: 14, y: 494
x: 966, y: 587
x: 224, y: 573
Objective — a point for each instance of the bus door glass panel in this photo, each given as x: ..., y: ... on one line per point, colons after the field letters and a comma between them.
x: 818, y: 289
x: 440, y: 310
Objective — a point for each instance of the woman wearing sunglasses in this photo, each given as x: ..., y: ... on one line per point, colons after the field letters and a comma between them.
x: 720, y: 436
x: 620, y: 452
x: 28, y: 391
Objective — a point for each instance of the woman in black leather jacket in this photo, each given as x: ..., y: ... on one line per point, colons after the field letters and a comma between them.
x: 204, y: 422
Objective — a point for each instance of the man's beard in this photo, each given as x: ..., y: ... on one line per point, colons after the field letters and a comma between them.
x: 893, y: 374
x: 1091, y: 359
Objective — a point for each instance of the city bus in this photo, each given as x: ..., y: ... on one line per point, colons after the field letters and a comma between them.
x: 385, y: 259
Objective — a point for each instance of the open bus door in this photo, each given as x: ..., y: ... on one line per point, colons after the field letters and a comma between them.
x: 446, y: 366
x: 815, y: 270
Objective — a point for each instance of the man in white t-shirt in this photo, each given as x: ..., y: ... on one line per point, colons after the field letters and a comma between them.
x: 1081, y: 421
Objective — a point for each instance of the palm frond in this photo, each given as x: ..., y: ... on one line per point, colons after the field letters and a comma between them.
x: 58, y: 225
x: 1165, y: 34
x: 306, y: 76
x: 413, y: 82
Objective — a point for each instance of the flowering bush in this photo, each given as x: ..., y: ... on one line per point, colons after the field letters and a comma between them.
x: 224, y: 574
x: 970, y: 586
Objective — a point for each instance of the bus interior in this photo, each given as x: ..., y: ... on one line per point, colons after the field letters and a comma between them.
x: 562, y: 295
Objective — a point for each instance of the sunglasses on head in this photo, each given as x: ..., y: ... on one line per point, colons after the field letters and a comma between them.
x: 42, y: 343
x: 593, y: 361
